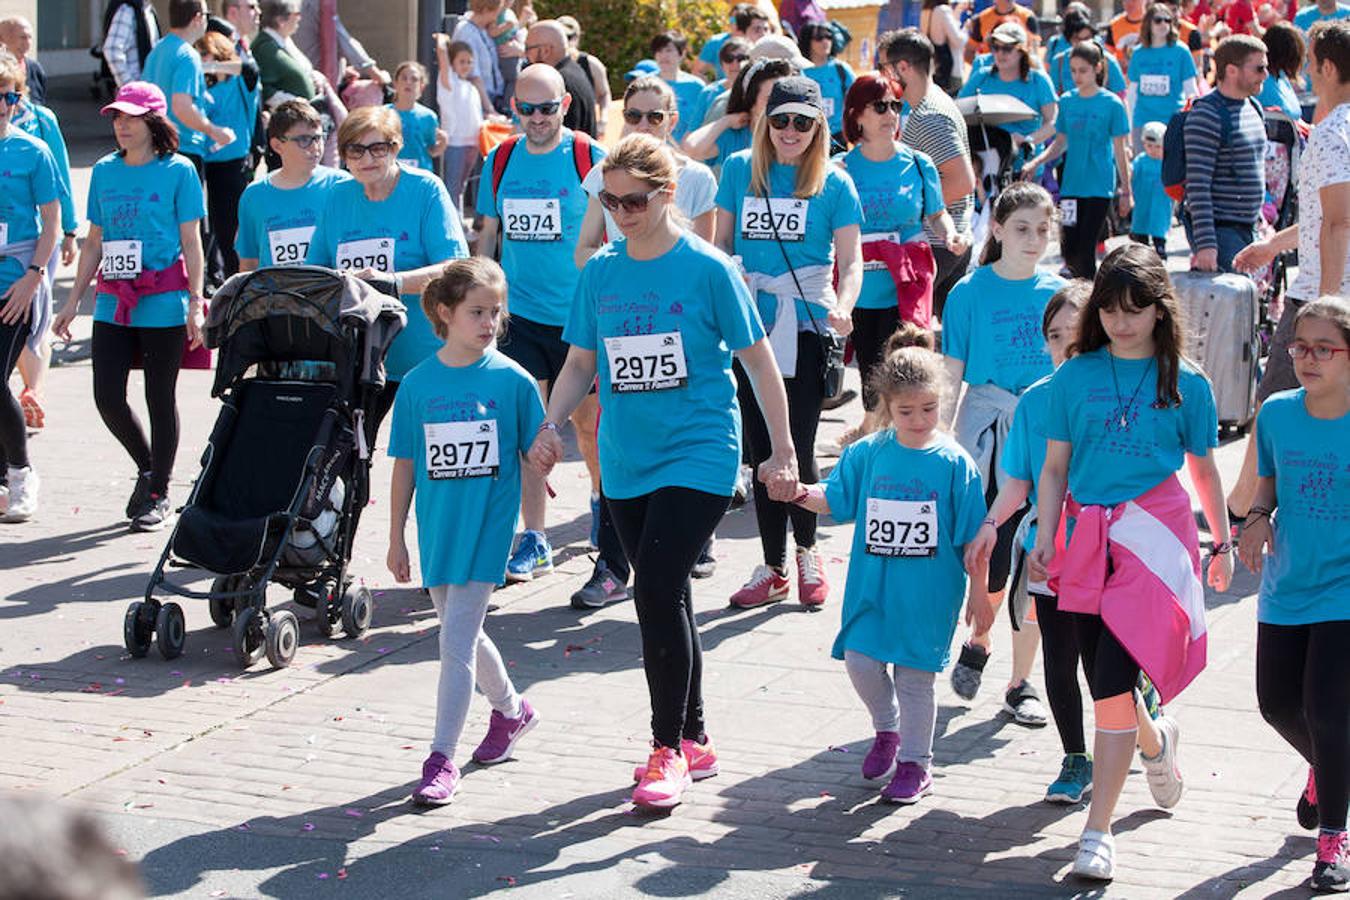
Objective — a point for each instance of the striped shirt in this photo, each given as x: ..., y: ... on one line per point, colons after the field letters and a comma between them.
x: 937, y: 128
x: 1225, y: 165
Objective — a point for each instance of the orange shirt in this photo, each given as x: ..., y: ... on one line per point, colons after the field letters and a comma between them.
x: 990, y: 18
x: 1122, y: 35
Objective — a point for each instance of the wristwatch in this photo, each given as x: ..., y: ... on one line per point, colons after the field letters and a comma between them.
x: 41, y: 270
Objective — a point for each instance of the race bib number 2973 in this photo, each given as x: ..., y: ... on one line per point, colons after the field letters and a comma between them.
x: 901, y: 527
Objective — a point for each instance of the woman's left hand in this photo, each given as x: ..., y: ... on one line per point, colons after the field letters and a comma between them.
x: 779, y: 474
x: 841, y: 323
x: 1221, y: 571
x: 18, y: 303
x: 1125, y: 204
x: 196, y: 320
x: 957, y: 244
x: 68, y: 249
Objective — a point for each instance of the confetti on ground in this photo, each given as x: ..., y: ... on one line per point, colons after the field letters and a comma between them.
x: 323, y: 876
x: 834, y: 749
x: 308, y: 826
x: 487, y: 837
x: 355, y: 813
x: 510, y: 880
x: 243, y: 827
x: 341, y: 874
x: 217, y: 893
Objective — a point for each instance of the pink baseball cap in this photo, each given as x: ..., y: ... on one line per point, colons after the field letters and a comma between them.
x: 136, y: 98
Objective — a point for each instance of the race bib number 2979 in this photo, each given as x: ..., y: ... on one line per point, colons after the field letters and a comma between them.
x: 371, y: 253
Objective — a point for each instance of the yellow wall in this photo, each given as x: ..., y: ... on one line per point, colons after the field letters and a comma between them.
x: 862, y: 24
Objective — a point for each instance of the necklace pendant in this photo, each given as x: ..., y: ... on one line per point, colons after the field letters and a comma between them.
x: 1124, y: 423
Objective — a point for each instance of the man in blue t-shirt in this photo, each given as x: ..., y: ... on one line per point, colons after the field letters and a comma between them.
x: 176, y: 68
x: 536, y: 204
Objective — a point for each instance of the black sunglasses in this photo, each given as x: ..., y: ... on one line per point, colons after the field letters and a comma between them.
x: 634, y: 116
x: 11, y: 97
x: 632, y: 203
x: 548, y: 108
x: 306, y: 141
x: 736, y: 58
x: 1162, y: 20
x: 378, y: 150
x: 800, y: 123
x: 880, y: 107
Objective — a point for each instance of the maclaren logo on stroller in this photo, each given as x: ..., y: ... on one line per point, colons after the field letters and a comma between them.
x: 462, y: 449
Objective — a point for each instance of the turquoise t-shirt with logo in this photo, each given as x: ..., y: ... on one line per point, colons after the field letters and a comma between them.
x: 688, y: 99
x: 1090, y: 124
x: 28, y: 179
x: 1023, y: 454
x: 234, y: 107
x: 539, y: 207
x: 663, y: 331
x: 993, y: 325
x: 465, y: 429
x: 419, y: 135
x: 276, y: 226
x: 175, y: 67
x: 1157, y: 74
x: 1305, y: 576
x: 923, y: 506
x: 834, y: 79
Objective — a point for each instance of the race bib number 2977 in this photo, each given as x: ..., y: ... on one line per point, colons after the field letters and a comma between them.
x: 462, y: 449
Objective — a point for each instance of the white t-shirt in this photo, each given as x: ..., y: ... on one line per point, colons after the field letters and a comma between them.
x: 695, y: 192
x: 1326, y: 161
x: 461, y: 110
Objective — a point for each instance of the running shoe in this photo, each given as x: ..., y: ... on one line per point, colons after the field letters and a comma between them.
x: 740, y: 494
x: 1307, y: 803
x: 603, y: 588
x: 910, y: 783
x: 532, y: 556
x: 663, y: 783
x: 812, y: 588
x: 1331, y: 872
x: 154, y: 515
x: 766, y: 585
x: 440, y: 780
x: 1024, y: 705
x: 4, y: 497
x: 1075, y: 780
x: 969, y: 671
x: 595, y: 521
x: 705, y: 565
x: 33, y: 414
x: 701, y: 759
x: 1149, y: 694
x: 845, y: 396
x: 503, y: 734
x: 23, y: 494
x: 1096, y: 857
x: 881, y: 757
x: 140, y: 495
x: 1164, y: 776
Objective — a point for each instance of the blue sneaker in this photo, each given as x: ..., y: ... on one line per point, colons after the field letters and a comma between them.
x: 1075, y: 780
x: 595, y: 521
x: 532, y: 556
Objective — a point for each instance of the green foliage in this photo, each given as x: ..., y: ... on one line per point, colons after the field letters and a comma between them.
x: 618, y: 32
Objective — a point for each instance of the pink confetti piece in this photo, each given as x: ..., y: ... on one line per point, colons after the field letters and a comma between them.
x: 342, y: 874
x: 323, y: 876
x: 509, y: 880
x: 355, y: 813
x: 827, y: 795
x: 121, y: 681
x: 308, y: 826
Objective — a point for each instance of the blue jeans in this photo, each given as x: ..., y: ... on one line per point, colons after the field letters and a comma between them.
x: 1231, y: 237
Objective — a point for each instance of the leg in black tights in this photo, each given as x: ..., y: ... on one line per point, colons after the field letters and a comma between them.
x: 871, y: 329
x: 13, y: 434
x: 1059, y: 646
x: 114, y: 348
x: 1079, y: 241
x: 1109, y: 667
x: 662, y: 533
x: 1303, y: 687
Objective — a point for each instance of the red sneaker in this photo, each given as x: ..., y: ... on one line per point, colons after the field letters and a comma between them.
x: 812, y: 588
x: 764, y: 587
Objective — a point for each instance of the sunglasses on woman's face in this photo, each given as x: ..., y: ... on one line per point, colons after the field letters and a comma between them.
x: 633, y: 203
x: 306, y: 141
x: 881, y: 107
x: 800, y: 123
x: 378, y: 150
x: 634, y: 116
x: 11, y: 97
x: 738, y: 58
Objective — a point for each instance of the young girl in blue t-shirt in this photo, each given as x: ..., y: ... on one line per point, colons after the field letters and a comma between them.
x: 1302, y: 670
x: 462, y: 419
x: 423, y: 139
x: 918, y: 500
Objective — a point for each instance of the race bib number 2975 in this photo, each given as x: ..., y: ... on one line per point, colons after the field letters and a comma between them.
x: 646, y: 362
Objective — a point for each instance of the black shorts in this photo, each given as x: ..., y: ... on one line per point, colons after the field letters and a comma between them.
x: 1279, y: 374
x: 539, y: 349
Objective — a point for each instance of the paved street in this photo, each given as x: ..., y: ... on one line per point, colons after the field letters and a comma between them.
x: 292, y: 783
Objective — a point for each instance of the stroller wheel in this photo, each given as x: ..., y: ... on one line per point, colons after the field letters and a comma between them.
x: 248, y: 637
x: 138, y: 629
x: 222, y: 608
x: 327, y: 615
x: 358, y: 608
x: 283, y: 636
x: 170, y: 631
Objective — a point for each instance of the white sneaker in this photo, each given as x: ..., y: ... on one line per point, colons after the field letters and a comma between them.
x: 1164, y: 776
x: 1096, y: 857
x: 23, y: 494
x: 4, y: 498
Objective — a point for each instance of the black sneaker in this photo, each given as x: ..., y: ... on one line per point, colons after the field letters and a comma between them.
x: 705, y: 565
x: 1331, y: 872
x: 969, y: 671
x: 603, y: 588
x: 140, y: 496
x: 154, y: 515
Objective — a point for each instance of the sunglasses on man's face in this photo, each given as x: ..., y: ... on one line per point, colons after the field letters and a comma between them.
x: 653, y: 116
x: 881, y: 107
x: 633, y: 203
x: 11, y: 97
x: 800, y: 123
x: 547, y: 108
x: 306, y: 141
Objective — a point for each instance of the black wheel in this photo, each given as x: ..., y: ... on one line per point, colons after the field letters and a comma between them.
x: 283, y: 636
x: 248, y: 637
x: 222, y: 608
x: 327, y: 615
x: 138, y: 629
x: 170, y: 631
x: 358, y: 608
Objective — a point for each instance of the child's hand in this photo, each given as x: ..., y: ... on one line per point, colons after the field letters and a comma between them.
x: 397, y: 561
x: 980, y: 549
x: 1256, y: 537
x: 1221, y: 571
x: 1038, y: 563
x: 980, y: 613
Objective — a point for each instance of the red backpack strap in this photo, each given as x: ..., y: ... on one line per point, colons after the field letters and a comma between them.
x: 499, y: 161
x: 581, y: 153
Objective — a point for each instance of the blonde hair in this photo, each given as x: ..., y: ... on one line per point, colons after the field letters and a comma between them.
x: 452, y: 286
x: 644, y: 158
x: 367, y: 118
x: 908, y: 363
x: 811, y: 171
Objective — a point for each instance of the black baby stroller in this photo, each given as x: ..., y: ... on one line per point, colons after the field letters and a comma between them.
x: 286, y: 471
x: 991, y: 149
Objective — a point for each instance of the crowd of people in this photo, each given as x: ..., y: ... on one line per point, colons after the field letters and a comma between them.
x: 685, y: 299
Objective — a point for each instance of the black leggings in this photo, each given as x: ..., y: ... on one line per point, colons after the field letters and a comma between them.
x: 871, y: 329
x: 1303, y: 687
x: 13, y: 433
x: 161, y: 350
x: 1059, y: 646
x: 1158, y: 243
x: 1078, y: 243
x: 662, y: 533
x: 1000, y: 560
x: 1109, y: 667
x: 804, y: 396
x: 225, y: 183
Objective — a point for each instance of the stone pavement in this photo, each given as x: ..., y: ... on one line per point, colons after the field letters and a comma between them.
x: 291, y: 783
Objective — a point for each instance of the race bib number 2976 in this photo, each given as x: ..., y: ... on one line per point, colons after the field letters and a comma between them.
x: 763, y: 217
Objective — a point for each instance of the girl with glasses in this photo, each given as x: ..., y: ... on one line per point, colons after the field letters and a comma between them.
x: 816, y: 42
x: 1162, y: 72
x: 792, y: 217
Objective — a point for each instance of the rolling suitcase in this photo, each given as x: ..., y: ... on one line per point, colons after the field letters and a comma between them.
x: 1221, y: 313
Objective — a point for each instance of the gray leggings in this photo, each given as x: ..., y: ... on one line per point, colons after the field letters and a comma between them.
x: 467, y: 655
x: 905, y: 702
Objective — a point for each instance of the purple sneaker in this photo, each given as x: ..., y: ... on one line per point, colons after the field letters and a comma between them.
x: 503, y: 734
x: 440, y: 780
x: 911, y: 782
x: 881, y: 757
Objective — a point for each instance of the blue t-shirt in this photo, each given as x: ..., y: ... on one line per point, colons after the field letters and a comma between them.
x: 706, y: 98
x: 1158, y: 73
x: 1277, y: 91
x: 710, y: 51
x: 1062, y: 78
x: 730, y: 142
x: 234, y: 107
x: 176, y: 67
x: 993, y: 325
x: 834, y: 78
x: 895, y: 196
x: 40, y: 122
x: 28, y: 179
x: 1023, y: 454
x: 537, y: 240
x: 1113, y: 462
x: 663, y: 331
x: 1152, y: 207
x: 1090, y: 124
x: 904, y: 609
x: 836, y: 206
x: 146, y: 203
x: 270, y: 217
x: 688, y: 97
x: 1036, y: 91
x: 419, y: 135
x: 1308, y: 16
x: 1304, y: 579
x: 493, y: 389
x: 421, y: 223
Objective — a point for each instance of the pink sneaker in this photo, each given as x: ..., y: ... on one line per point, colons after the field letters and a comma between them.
x: 440, y: 780
x: 812, y: 588
x: 881, y: 757
x: 503, y: 734
x: 663, y: 784
x: 764, y: 587
x: 910, y: 782
x: 701, y: 758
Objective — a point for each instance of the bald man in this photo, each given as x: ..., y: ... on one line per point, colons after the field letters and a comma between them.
x: 546, y: 42
x: 16, y: 34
